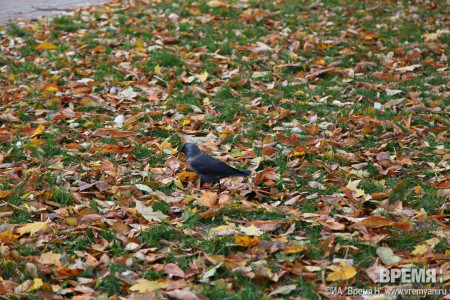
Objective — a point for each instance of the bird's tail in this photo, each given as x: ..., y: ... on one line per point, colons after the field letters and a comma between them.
x: 245, y: 173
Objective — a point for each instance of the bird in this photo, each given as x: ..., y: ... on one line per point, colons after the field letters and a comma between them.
x: 207, y: 167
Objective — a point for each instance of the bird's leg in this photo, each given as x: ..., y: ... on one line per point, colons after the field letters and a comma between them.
x: 201, y: 183
x: 220, y: 188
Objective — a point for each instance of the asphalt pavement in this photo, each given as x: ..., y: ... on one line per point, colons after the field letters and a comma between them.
x: 32, y: 9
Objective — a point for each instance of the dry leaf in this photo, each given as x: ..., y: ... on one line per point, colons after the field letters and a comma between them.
x: 31, y: 228
x: 144, y: 285
x: 340, y: 274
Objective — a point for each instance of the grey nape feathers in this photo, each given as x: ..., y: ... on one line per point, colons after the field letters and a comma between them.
x: 208, y: 168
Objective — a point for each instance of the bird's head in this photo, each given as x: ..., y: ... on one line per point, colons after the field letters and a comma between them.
x: 189, y: 149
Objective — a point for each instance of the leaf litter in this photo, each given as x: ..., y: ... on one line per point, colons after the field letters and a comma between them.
x: 340, y: 109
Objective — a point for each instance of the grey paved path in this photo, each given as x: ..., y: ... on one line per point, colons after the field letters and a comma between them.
x: 31, y: 9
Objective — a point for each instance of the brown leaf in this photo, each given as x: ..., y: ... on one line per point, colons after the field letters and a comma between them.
x: 173, y: 270
x: 4, y: 194
x: 265, y: 225
x: 169, y: 39
x: 185, y: 294
x: 98, y: 49
x: 373, y: 222
x: 208, y: 199
x: 112, y: 148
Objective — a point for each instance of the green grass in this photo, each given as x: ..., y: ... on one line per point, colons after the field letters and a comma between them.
x: 221, y: 41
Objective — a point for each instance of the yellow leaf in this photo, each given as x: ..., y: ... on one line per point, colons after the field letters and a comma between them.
x: 418, y: 190
x: 432, y: 37
x: 295, y: 249
x: 206, y: 100
x: 157, y: 69
x: 144, y: 285
x: 223, y: 227
x: 215, y: 3
x: 246, y: 241
x: 352, y: 186
x: 342, y: 274
x: 186, y: 121
x: 39, y: 130
x: 71, y: 221
x: 433, y: 242
x: 257, y: 74
x: 300, y: 93
x: 85, y: 102
x: 251, y: 230
x: 164, y: 145
x: 139, y: 44
x: 51, y: 88
x: 37, y: 283
x: 320, y: 62
x: 31, y: 228
x: 202, y: 77
x: 419, y: 250
x: 46, y: 46
x: 178, y: 183
x: 268, y: 139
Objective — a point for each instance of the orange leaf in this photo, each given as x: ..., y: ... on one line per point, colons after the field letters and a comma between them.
x: 320, y: 62
x: 374, y: 222
x: 39, y: 130
x: 268, y: 139
x: 99, y: 49
x: 187, y: 176
x: 4, y: 194
x: 208, y: 199
x: 51, y: 88
x: 112, y: 148
x: 65, y: 272
x: 400, y: 185
x: 299, y: 151
x: 246, y: 241
x: 404, y: 226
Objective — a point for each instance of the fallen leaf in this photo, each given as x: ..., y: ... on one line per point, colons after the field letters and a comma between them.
x: 46, y: 46
x: 373, y: 222
x: 210, y: 272
x: 340, y: 274
x: 251, y: 230
x: 284, y: 289
x: 215, y: 3
x: 387, y: 256
x: 50, y: 258
x: 31, y: 228
x: 208, y: 199
x: 246, y: 241
x: 202, y: 77
x: 144, y: 285
x: 148, y: 213
x: 5, y: 193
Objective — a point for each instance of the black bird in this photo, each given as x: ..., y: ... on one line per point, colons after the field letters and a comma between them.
x: 208, y: 168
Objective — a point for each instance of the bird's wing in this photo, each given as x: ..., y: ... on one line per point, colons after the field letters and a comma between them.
x: 207, y: 165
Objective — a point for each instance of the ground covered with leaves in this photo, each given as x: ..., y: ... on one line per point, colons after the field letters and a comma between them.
x: 339, y: 108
